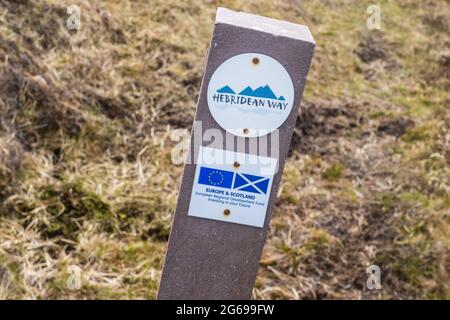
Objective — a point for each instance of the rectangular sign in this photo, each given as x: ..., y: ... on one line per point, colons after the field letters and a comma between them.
x: 232, y: 186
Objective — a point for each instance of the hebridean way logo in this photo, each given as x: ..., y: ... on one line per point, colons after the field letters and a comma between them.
x: 250, y: 95
x: 262, y: 96
x: 233, y: 180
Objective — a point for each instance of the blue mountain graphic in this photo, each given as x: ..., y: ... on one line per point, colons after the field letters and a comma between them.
x: 265, y: 92
x: 226, y: 89
x: 260, y: 92
x: 247, y: 92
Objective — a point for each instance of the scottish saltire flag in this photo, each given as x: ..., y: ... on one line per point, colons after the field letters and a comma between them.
x: 251, y: 183
x: 216, y: 177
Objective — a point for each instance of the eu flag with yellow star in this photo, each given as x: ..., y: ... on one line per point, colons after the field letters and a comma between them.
x: 215, y: 177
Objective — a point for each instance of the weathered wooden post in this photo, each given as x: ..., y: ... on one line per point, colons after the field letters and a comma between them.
x: 250, y: 94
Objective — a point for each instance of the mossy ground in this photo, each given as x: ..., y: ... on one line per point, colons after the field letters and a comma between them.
x: 86, y: 177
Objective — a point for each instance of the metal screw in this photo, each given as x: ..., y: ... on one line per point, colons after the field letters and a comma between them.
x: 236, y: 164
x: 245, y: 131
x: 226, y: 212
x: 255, y: 60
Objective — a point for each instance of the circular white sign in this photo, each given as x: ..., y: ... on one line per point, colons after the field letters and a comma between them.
x: 250, y: 95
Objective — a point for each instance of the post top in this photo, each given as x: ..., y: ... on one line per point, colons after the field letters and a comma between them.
x: 264, y: 24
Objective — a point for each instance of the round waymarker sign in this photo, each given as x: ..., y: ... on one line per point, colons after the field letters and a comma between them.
x: 250, y: 95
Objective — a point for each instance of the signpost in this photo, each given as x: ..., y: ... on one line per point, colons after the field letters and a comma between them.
x: 251, y: 91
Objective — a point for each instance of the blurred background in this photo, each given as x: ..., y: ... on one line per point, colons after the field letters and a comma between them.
x: 88, y: 188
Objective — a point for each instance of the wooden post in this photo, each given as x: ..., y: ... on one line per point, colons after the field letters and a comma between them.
x: 209, y: 257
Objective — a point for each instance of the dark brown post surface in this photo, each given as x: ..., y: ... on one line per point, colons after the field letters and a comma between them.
x: 211, y: 259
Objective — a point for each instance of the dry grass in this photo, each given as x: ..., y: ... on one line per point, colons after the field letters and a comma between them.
x: 85, y: 171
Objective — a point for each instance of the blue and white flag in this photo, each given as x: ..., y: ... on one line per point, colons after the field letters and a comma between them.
x: 251, y: 183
